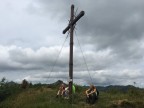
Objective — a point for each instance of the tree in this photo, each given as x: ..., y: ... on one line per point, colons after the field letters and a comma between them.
x: 24, y: 84
x: 2, y: 82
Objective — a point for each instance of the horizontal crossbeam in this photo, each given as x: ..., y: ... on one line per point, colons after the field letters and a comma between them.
x: 74, y: 21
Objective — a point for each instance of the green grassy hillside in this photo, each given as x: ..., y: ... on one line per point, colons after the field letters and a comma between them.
x: 42, y: 96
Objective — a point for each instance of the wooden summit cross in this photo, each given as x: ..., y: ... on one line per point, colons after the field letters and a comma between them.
x: 71, y: 27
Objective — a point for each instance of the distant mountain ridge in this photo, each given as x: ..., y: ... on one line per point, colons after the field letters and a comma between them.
x: 116, y: 87
x: 102, y: 88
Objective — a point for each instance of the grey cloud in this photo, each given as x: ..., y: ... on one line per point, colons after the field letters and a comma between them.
x: 53, y: 8
x: 46, y: 58
x: 115, y: 24
x: 98, y: 77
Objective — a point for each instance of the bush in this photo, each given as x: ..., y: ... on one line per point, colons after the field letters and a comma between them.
x: 4, y: 94
x: 7, y: 89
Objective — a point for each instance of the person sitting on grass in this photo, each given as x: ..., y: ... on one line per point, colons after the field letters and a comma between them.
x: 61, y: 90
x: 91, y: 94
x: 66, y: 91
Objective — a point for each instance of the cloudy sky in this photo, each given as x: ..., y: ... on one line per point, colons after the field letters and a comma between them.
x: 110, y: 34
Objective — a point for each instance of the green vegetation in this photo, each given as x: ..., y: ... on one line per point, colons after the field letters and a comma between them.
x: 43, y: 96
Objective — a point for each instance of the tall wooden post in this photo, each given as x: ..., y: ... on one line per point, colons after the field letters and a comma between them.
x: 71, y: 51
x: 71, y: 27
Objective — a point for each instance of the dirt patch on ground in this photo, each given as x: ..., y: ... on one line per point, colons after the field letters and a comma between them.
x: 120, y: 102
x: 124, y: 103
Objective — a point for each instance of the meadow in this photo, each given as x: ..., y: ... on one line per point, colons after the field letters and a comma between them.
x: 44, y: 96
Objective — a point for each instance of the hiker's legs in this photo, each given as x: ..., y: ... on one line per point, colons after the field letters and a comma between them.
x: 93, y: 98
x: 58, y: 93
